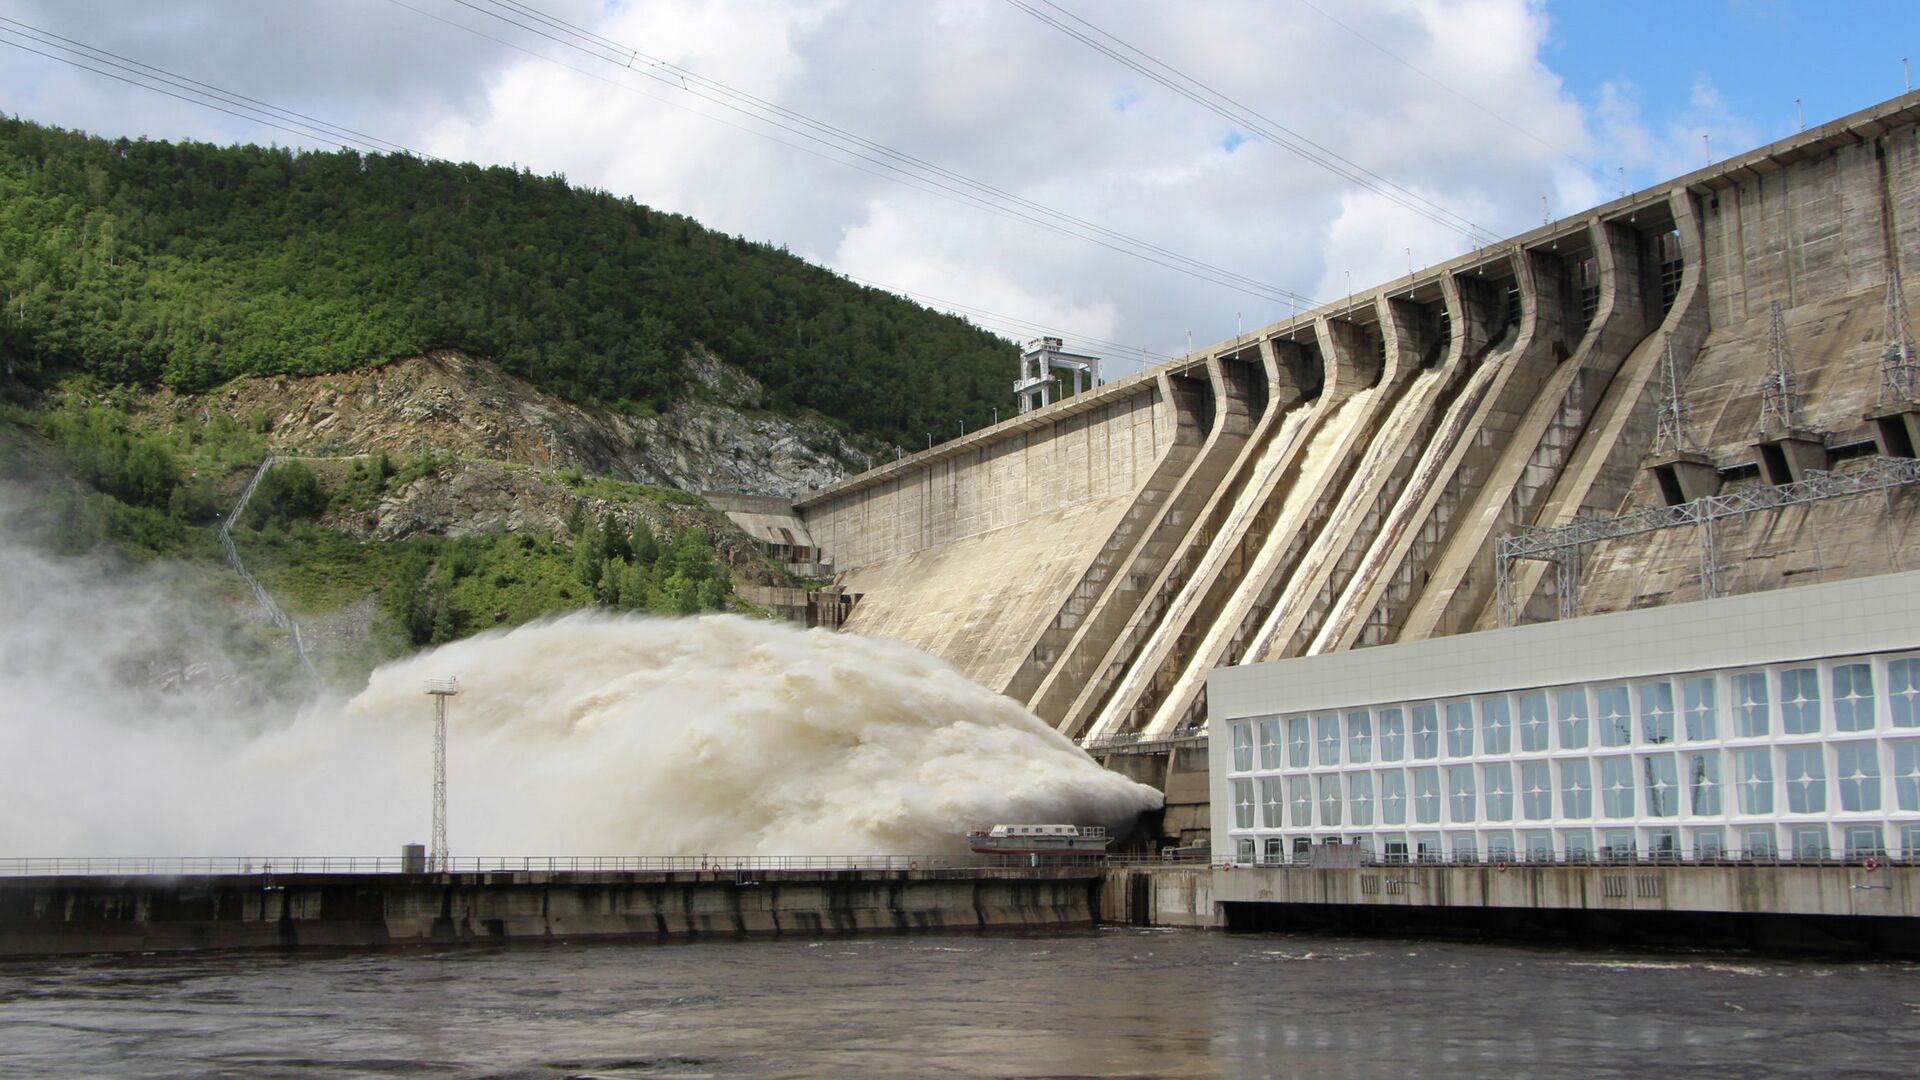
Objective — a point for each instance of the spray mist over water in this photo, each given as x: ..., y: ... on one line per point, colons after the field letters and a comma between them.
x: 590, y: 734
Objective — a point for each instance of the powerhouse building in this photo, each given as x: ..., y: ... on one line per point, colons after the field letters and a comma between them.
x: 1783, y: 724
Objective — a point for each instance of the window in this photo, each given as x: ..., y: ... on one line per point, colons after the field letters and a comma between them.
x: 1302, y: 849
x: 1243, y: 804
x: 1865, y: 842
x: 1903, y: 692
x: 1533, y: 722
x: 1800, y: 701
x: 1753, y: 779
x: 1759, y: 842
x: 1656, y: 712
x: 1576, y: 790
x: 1459, y: 729
x: 1703, y: 781
x: 1662, y: 784
x: 1810, y: 842
x: 1539, y: 847
x: 1496, y: 726
x: 1857, y: 767
x: 1426, y: 795
x: 1360, y: 737
x: 1426, y: 732
x: 1460, y: 793
x: 1579, y: 845
x: 1616, y: 716
x: 1243, y: 850
x: 1536, y: 791
x: 1242, y: 748
x: 1498, y: 781
x: 1329, y: 799
x: 1910, y: 841
x: 1297, y: 742
x: 1709, y: 843
x: 1393, y: 798
x: 1853, y: 697
x: 1619, y: 844
x: 1327, y: 727
x: 1274, y: 852
x: 1360, y: 797
x: 1300, y: 802
x: 1663, y: 843
x: 1702, y: 714
x: 1750, y: 704
x: 1616, y: 787
x: 1500, y: 846
x: 1270, y: 803
x: 1572, y: 708
x: 1270, y: 743
x: 1393, y: 735
x: 1464, y: 849
x: 1806, y: 778
x: 1906, y: 774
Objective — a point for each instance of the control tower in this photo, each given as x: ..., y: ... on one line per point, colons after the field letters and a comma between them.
x: 1038, y: 362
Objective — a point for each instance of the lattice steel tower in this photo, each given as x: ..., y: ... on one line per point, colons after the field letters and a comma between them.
x: 1779, y: 397
x: 1898, y: 363
x: 440, y: 690
x: 1672, y: 435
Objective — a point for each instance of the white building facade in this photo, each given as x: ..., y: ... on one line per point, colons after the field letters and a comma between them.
x: 1783, y: 724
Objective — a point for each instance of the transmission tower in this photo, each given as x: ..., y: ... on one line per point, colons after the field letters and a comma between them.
x: 1675, y: 418
x: 440, y: 690
x: 1898, y: 362
x: 1779, y: 397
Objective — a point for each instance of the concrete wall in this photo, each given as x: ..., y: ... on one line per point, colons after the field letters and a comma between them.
x: 1511, y: 387
x: 50, y: 915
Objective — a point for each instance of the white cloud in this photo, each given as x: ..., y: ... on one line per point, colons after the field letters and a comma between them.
x: 1483, y: 127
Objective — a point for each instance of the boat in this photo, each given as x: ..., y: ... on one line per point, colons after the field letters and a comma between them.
x: 1038, y: 840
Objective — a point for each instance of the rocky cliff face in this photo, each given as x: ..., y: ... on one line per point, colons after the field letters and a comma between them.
x: 447, y: 402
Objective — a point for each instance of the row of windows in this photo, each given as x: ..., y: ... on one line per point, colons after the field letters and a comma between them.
x: 1813, y: 778
x: 1577, y: 718
x: 1855, y: 840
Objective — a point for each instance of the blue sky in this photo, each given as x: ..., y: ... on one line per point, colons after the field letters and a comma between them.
x: 1838, y: 56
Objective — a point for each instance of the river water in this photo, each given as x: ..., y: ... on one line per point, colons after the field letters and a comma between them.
x: 1098, y: 1003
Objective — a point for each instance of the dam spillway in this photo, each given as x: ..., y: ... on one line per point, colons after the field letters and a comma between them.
x: 1339, y: 480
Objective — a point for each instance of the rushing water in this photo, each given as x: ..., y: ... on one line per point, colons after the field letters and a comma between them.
x: 1106, y: 1003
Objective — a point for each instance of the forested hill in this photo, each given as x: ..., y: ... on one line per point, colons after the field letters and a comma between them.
x: 189, y: 264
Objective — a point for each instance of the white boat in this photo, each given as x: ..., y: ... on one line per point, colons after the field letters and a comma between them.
x: 1038, y: 840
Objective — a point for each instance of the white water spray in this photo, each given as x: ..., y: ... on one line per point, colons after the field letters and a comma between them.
x: 590, y: 734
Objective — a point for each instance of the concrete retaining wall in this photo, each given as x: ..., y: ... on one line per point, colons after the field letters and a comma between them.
x: 48, y: 915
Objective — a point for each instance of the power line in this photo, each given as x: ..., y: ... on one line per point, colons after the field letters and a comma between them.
x: 1018, y: 326
x: 1256, y: 123
x: 904, y: 168
x: 189, y: 90
x: 1410, y: 66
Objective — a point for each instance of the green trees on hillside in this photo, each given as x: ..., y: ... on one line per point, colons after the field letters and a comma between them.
x: 187, y: 263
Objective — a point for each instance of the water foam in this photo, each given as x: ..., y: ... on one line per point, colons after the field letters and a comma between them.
x: 588, y: 734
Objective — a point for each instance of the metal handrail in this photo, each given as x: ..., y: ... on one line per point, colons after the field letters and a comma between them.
x: 391, y: 864
x: 1596, y: 859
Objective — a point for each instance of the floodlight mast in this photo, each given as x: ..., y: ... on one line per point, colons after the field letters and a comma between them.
x: 440, y: 690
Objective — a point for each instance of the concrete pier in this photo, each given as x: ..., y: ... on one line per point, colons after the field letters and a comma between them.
x: 93, y: 914
x: 1840, y: 907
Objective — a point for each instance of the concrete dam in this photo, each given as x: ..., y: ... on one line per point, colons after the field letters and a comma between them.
x: 1341, y: 479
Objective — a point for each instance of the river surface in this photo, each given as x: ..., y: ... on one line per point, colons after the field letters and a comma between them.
x: 1098, y: 1003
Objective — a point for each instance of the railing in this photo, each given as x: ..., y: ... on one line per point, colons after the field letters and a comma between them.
x: 391, y: 864
x: 1135, y: 742
x: 1599, y: 858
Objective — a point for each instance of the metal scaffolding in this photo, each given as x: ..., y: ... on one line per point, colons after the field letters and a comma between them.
x: 1672, y: 436
x: 1561, y: 544
x: 1898, y: 363
x: 1779, y: 395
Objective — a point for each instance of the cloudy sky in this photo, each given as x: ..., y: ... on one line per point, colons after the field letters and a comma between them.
x: 1113, y: 172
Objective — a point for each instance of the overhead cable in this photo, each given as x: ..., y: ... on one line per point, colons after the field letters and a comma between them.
x: 1254, y: 122
x: 900, y: 167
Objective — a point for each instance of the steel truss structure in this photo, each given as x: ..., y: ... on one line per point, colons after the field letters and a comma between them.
x: 1561, y: 544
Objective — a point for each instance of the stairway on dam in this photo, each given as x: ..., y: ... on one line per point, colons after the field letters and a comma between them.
x: 1339, y: 480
